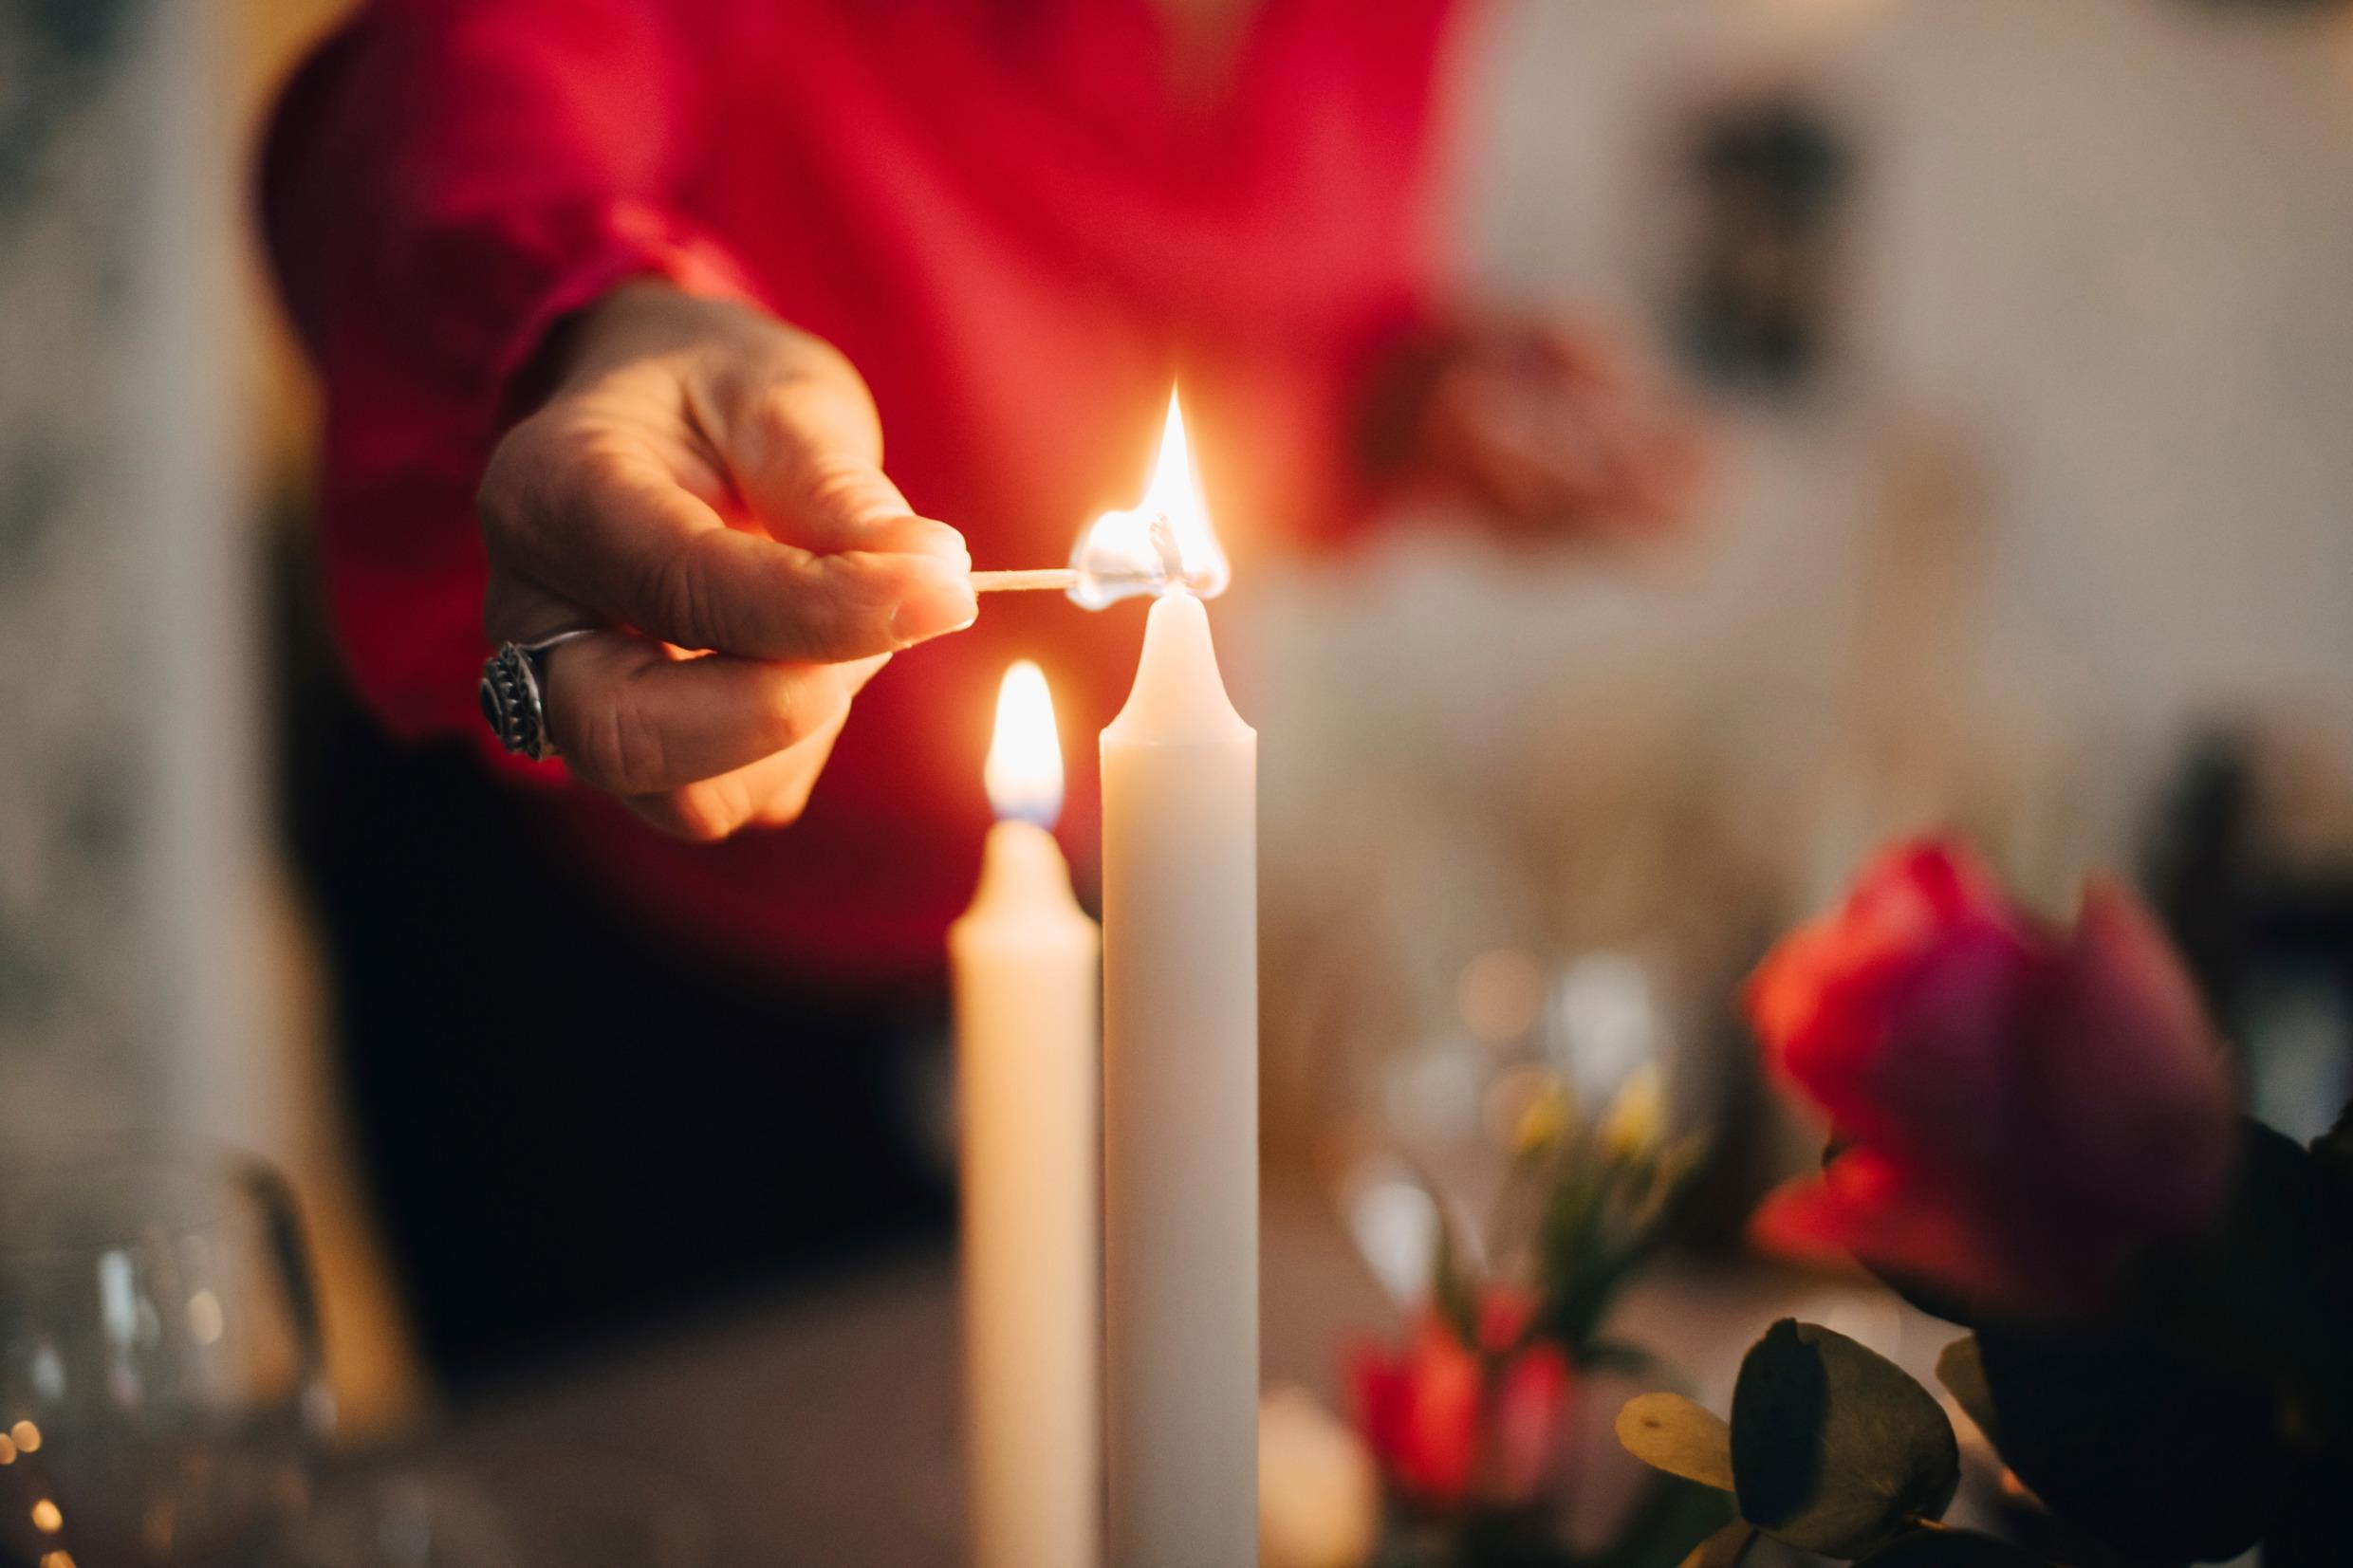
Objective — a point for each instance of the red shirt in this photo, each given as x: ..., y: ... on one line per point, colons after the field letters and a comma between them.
x: 1015, y: 221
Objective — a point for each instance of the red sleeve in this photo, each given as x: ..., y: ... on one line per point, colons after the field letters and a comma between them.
x: 442, y: 181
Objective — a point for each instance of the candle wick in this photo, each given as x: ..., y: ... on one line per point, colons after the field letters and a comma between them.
x: 1172, y: 555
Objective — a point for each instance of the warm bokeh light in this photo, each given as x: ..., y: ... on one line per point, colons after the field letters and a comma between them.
x: 57, y: 1560
x: 48, y: 1518
x: 27, y: 1437
x: 1501, y: 995
x: 1024, y: 770
x: 1124, y: 553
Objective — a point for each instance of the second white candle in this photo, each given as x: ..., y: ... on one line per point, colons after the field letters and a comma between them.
x: 1025, y: 960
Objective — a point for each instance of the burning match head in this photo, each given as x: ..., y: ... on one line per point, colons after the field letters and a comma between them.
x: 1164, y: 545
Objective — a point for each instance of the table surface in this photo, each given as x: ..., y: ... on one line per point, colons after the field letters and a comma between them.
x: 822, y: 1433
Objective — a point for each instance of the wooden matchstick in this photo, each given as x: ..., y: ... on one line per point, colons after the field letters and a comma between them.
x: 1059, y: 579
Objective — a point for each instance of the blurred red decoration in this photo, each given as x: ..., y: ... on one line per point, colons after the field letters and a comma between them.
x: 2016, y: 1110
x: 1453, y: 1425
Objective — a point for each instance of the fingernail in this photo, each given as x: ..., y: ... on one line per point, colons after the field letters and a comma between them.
x: 934, y: 609
x: 940, y: 540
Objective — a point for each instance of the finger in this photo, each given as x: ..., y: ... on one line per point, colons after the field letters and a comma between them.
x: 515, y: 609
x: 834, y: 502
x: 638, y: 547
x: 805, y: 452
x: 630, y: 717
x: 771, y: 792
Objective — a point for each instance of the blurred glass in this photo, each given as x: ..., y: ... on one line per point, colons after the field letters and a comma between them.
x: 160, y: 1359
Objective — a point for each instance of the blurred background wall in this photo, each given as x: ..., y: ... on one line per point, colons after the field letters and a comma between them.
x: 2026, y: 332
x: 2033, y: 492
x: 155, y: 968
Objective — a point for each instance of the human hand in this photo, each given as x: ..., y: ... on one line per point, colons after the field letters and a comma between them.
x: 1548, y: 429
x: 705, y: 483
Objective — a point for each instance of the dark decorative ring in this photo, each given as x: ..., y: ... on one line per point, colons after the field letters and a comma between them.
x: 513, y: 695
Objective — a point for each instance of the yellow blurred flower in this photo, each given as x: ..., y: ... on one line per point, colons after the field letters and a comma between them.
x: 1543, y: 1121
x: 1637, y: 1116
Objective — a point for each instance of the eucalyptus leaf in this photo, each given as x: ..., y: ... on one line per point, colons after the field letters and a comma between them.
x: 1725, y: 1548
x: 1949, y: 1549
x: 1835, y: 1448
x: 1961, y: 1370
x: 1679, y: 1436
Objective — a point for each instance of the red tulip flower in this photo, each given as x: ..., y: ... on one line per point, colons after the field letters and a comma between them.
x: 1453, y: 1426
x: 2019, y: 1108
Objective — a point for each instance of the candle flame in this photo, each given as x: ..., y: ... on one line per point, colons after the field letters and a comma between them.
x: 1165, y: 545
x: 1024, y: 770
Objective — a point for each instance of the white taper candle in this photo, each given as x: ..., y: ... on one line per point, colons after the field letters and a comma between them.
x: 1181, y: 1109
x: 1026, y: 972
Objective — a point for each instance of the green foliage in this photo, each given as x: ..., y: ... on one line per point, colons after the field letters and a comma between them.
x: 1453, y: 1290
x: 1606, y: 1212
x: 1830, y: 1448
x: 2204, y: 1409
x: 2186, y: 1419
x: 1582, y: 1208
x: 1836, y: 1448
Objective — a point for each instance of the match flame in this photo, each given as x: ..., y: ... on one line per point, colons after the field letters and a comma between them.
x: 1023, y: 769
x: 1164, y: 545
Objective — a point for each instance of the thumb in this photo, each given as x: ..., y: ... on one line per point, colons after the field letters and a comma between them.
x: 805, y: 453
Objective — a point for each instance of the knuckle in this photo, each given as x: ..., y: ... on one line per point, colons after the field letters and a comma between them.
x: 682, y: 594
x: 529, y: 488
x: 840, y: 483
x: 617, y: 747
x: 805, y: 392
x: 797, y: 709
x: 779, y: 408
